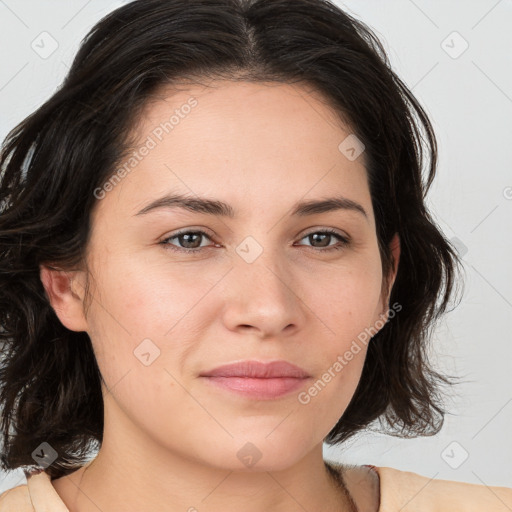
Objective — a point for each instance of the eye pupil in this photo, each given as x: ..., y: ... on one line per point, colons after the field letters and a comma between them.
x: 187, y: 236
x: 324, y: 241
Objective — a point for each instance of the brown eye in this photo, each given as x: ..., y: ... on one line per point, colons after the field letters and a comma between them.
x: 322, y: 239
x: 189, y: 241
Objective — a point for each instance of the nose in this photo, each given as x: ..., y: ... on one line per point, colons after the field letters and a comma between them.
x: 263, y: 297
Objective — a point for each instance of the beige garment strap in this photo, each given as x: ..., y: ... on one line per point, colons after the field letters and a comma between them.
x: 43, y: 494
x: 412, y: 492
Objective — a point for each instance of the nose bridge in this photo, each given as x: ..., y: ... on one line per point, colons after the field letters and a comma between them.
x: 263, y: 270
x: 262, y: 294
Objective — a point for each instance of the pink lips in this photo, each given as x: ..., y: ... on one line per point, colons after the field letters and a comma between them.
x: 257, y: 380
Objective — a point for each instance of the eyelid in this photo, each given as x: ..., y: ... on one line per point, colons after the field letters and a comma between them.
x: 325, y: 229
x: 184, y: 231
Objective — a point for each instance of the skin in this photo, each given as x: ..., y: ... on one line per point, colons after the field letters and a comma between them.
x: 170, y: 439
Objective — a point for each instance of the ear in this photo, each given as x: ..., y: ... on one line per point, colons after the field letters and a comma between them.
x: 394, y: 246
x: 65, y: 291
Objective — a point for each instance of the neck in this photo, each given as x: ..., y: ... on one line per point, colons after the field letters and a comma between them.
x: 109, y: 484
x: 134, y: 471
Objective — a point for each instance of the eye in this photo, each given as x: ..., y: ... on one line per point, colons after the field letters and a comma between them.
x: 323, y: 237
x: 190, y: 241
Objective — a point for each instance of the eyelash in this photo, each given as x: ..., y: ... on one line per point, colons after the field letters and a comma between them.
x: 343, y: 241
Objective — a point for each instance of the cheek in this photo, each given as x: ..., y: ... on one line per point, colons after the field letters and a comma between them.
x: 346, y: 299
x: 149, y: 299
x: 144, y: 314
x: 324, y: 402
x: 346, y: 306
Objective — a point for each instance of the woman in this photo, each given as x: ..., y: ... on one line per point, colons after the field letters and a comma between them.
x: 215, y: 257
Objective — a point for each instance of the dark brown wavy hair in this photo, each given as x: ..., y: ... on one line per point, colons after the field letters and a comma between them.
x: 52, y: 162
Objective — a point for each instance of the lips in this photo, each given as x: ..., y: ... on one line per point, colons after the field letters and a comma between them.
x: 258, y: 370
x: 257, y: 381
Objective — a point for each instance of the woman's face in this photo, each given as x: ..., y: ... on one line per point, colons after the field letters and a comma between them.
x: 255, y: 287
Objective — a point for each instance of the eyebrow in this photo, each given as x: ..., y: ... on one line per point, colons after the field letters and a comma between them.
x: 222, y: 209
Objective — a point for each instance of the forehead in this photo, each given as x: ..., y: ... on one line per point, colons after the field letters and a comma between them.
x: 258, y: 108
x: 239, y: 142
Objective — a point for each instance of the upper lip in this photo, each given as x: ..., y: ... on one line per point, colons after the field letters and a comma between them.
x: 257, y: 369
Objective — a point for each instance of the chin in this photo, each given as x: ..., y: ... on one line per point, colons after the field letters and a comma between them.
x: 257, y: 454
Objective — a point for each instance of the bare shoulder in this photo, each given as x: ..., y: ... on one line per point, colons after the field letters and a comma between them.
x: 363, y: 485
x: 16, y: 499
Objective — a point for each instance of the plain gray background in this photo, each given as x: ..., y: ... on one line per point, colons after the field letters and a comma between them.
x: 456, y: 56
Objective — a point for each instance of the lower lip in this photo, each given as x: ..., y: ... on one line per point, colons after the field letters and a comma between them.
x: 260, y: 389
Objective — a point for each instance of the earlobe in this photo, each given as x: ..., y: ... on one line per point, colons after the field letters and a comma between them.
x: 65, y: 296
